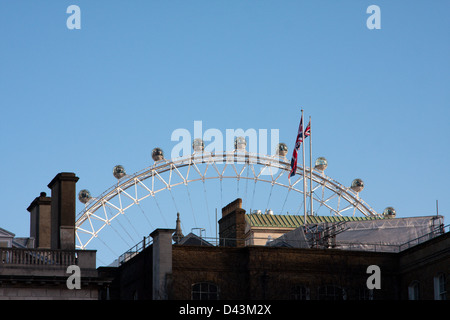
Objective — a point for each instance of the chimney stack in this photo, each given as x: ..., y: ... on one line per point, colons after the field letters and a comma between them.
x: 40, y: 210
x: 232, y: 225
x: 63, y: 206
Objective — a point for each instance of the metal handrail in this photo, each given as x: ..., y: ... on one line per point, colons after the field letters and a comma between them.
x: 439, y: 230
x: 134, y: 250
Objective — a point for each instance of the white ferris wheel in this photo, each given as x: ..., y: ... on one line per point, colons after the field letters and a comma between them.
x: 218, y: 177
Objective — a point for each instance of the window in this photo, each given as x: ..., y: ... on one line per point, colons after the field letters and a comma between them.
x: 299, y: 292
x: 439, y: 287
x: 332, y: 293
x: 413, y: 290
x: 204, y: 291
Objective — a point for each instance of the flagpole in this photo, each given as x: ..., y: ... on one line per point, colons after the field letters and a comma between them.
x: 304, y: 176
x: 310, y: 167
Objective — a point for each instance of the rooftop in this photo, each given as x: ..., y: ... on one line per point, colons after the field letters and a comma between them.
x: 295, y: 221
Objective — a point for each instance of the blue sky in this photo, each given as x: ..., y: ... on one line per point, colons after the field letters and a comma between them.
x: 85, y: 100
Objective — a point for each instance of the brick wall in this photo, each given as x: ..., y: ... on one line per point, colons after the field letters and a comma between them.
x: 225, y: 267
x: 258, y: 272
x: 133, y: 280
x: 271, y: 273
x: 422, y: 264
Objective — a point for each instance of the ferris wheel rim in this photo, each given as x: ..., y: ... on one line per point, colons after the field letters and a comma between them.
x: 231, y: 158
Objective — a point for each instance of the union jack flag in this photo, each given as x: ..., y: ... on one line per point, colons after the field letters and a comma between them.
x: 298, y: 143
x: 308, y: 130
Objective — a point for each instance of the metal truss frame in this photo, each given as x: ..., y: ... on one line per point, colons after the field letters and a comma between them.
x: 167, y: 174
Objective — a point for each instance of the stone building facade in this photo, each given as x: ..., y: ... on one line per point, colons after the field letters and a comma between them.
x: 37, y: 268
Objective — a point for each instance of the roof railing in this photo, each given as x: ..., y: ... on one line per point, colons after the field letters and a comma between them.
x: 437, y: 231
